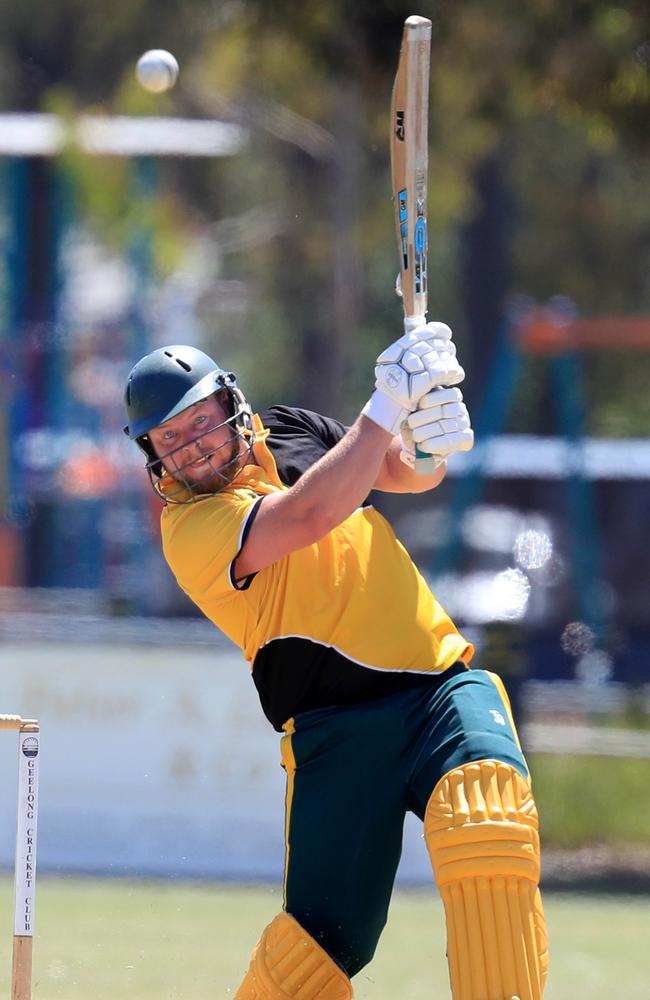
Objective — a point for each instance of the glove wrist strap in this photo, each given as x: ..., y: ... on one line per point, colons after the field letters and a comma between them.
x: 383, y: 410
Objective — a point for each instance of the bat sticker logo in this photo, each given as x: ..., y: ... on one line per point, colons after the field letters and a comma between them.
x: 420, y: 252
x: 400, y: 125
x: 402, y: 208
x: 420, y: 237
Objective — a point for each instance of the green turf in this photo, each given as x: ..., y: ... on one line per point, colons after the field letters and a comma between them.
x: 99, y: 940
x: 609, y: 796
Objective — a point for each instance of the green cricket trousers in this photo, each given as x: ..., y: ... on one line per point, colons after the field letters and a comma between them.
x: 353, y: 772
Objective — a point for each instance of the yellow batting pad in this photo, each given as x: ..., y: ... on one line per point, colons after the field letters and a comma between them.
x: 288, y: 963
x: 481, y: 830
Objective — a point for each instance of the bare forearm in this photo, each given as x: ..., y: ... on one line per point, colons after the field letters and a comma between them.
x: 340, y: 481
x: 324, y: 496
x: 396, y: 477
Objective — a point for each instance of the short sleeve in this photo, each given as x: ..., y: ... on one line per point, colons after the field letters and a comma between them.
x: 298, y: 438
x: 202, y: 540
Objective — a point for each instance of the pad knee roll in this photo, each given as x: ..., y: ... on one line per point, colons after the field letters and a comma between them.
x: 288, y: 963
x: 481, y: 830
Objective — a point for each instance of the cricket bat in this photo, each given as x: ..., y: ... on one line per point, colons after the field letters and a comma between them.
x: 409, y: 157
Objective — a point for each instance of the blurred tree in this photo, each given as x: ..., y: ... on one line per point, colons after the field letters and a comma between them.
x: 538, y: 133
x: 513, y: 86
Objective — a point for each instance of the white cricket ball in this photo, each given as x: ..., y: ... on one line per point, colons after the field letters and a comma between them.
x: 156, y: 71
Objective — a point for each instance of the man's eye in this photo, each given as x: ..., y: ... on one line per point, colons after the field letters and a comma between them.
x: 200, y: 420
x: 169, y: 435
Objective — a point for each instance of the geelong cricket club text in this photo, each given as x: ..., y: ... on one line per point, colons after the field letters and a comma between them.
x: 29, y: 847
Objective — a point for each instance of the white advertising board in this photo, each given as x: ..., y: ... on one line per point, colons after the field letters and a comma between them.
x: 156, y: 761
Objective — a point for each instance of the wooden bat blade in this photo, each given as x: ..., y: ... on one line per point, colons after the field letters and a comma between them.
x: 409, y: 161
x: 409, y: 166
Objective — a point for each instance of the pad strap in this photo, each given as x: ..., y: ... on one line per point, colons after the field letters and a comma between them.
x: 287, y: 963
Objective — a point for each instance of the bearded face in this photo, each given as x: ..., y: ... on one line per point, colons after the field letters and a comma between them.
x: 200, y: 448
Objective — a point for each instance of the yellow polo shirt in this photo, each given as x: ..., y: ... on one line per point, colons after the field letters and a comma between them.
x: 343, y: 619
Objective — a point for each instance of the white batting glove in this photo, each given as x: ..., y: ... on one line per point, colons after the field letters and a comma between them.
x: 440, y: 426
x: 404, y: 373
x: 408, y: 454
x: 442, y: 363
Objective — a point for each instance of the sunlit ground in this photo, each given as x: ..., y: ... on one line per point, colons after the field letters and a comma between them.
x: 176, y: 941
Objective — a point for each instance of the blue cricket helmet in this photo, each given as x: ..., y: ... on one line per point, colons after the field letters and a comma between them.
x: 167, y: 381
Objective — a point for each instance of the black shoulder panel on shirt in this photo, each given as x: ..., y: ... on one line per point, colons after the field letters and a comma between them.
x: 298, y: 438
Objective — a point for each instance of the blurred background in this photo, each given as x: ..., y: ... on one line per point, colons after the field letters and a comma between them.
x: 247, y: 211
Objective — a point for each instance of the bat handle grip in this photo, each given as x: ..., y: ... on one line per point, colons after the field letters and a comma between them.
x: 425, y: 463
x: 413, y: 322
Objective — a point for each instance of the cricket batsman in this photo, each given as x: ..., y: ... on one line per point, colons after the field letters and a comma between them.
x: 267, y: 527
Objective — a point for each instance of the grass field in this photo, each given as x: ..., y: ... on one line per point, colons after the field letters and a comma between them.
x: 609, y: 796
x: 101, y: 939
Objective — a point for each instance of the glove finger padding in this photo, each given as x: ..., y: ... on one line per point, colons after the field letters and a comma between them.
x: 438, y: 396
x: 393, y: 353
x: 444, y: 370
x: 436, y: 335
x: 407, y: 454
x: 441, y: 424
x: 448, y: 443
x: 439, y: 405
x: 408, y: 369
x: 409, y: 348
x: 437, y: 360
x: 445, y: 437
x: 447, y: 424
x: 440, y: 361
x: 431, y: 331
x: 457, y: 410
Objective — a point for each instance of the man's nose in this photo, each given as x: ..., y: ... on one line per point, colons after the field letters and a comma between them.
x: 193, y: 445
